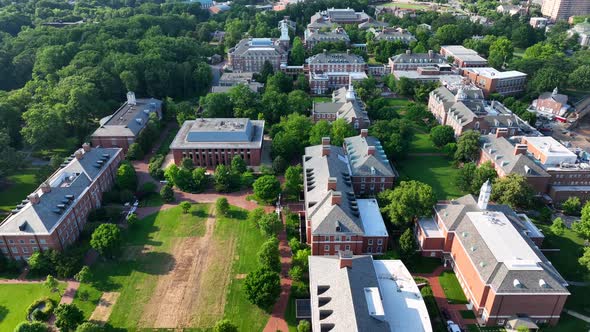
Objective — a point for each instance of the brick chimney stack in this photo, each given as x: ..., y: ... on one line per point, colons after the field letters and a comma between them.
x: 364, y: 133
x: 332, y: 183
x: 325, y: 146
x: 371, y: 150
x: 325, y: 140
x: 34, y: 198
x: 79, y: 154
x: 45, y: 187
x: 345, y: 258
x: 86, y: 147
x: 336, y: 198
x: 520, y: 149
x: 502, y: 132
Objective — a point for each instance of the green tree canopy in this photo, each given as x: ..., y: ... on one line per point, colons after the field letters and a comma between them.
x: 270, y: 224
x: 106, y: 239
x: 262, y: 287
x: 225, y: 325
x: 512, y: 190
x: 442, y: 135
x: 410, y: 199
x: 467, y: 146
x: 68, y: 317
x: 31, y: 327
x: 222, y: 206
x: 126, y: 177
x: 267, y: 188
x: 269, y: 255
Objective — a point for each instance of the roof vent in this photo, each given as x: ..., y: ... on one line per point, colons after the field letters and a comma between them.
x: 464, y: 234
x: 516, y: 283
x: 22, y: 226
x: 482, y: 264
x: 543, y: 284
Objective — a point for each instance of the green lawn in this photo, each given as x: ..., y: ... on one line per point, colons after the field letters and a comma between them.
x: 423, y: 144
x: 467, y: 314
x: 568, y: 323
x: 135, y: 274
x: 418, y: 264
x: 16, y: 298
x: 397, y: 102
x: 165, y: 146
x: 406, y: 5
x: 153, y: 199
x: 436, y: 171
x: 290, y: 314
x: 452, y: 288
x: 18, y: 188
x: 320, y: 99
x: 475, y: 328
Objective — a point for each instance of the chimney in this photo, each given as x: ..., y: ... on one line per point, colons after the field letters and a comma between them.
x: 34, y: 198
x: 364, y: 133
x: 131, y: 98
x: 45, y: 187
x: 86, y: 147
x: 325, y: 51
x: 371, y: 150
x: 520, y: 149
x: 79, y: 154
x: 345, y: 258
x: 325, y: 140
x: 348, y: 51
x: 336, y: 198
x: 430, y: 53
x: 332, y: 183
x: 501, y: 132
x: 408, y: 52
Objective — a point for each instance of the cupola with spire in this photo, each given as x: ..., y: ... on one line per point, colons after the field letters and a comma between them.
x: 350, y: 95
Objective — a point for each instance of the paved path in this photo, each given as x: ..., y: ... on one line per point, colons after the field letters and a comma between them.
x: 277, y: 319
x: 578, y: 315
x: 70, y: 292
x: 441, y: 299
x: 578, y: 283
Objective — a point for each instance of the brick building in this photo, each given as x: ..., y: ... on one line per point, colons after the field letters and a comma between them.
x: 212, y: 141
x: 250, y: 54
x: 337, y: 17
x: 550, y: 104
x: 500, y: 269
x: 463, y: 107
x: 425, y: 67
x: 312, y: 37
x: 392, y: 34
x: 345, y: 105
x: 463, y: 57
x: 330, y: 71
x: 563, y: 9
x: 371, y: 172
x: 122, y: 128
x: 53, y: 216
x: 335, y: 219
x: 491, y: 80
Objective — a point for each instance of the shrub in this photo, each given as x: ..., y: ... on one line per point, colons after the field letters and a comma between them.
x: 572, y: 206
x: 41, y: 315
x: 295, y: 245
x: 155, y: 165
x: 225, y: 326
x: 299, y: 289
x: 135, y: 152
x: 296, y: 273
x: 222, y: 206
x: 304, y: 326
x: 270, y: 224
x: 167, y: 193
x: 126, y: 196
x: 557, y: 227
x: 31, y: 327
x: 149, y: 187
x: 185, y: 206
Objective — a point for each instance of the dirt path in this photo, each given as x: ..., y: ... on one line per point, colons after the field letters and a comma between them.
x: 173, y: 302
x: 103, y: 310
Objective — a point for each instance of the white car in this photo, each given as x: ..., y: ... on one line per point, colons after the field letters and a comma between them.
x: 452, y: 327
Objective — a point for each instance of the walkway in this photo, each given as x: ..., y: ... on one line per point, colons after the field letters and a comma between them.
x: 70, y: 292
x: 277, y: 320
x: 441, y: 299
x: 578, y: 315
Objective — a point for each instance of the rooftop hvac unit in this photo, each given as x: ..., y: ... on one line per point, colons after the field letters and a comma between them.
x: 70, y: 197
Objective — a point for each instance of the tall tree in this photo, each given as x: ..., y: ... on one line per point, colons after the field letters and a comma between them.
x: 106, y: 239
x: 410, y: 199
x: 68, y: 317
x: 501, y: 51
x: 297, y: 55
x: 512, y: 190
x: 467, y: 146
x: 341, y: 130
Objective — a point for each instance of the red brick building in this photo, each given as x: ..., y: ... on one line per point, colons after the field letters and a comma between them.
x: 53, y: 216
x: 463, y: 57
x: 335, y: 219
x: 371, y: 171
x: 249, y: 55
x: 122, y: 128
x: 330, y: 71
x: 213, y: 141
x: 345, y: 105
x: 550, y: 104
x: 490, y: 80
x: 500, y: 269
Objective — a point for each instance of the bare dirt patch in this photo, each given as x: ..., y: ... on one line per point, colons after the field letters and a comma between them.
x: 241, y: 276
x: 103, y: 310
x: 192, y: 293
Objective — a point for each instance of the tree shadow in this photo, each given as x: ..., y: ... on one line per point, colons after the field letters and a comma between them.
x: 3, y: 312
x: 199, y: 213
x: 238, y: 214
x: 156, y: 263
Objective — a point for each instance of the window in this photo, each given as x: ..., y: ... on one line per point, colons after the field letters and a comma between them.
x: 348, y: 238
x: 1, y: 241
x: 382, y: 179
x: 14, y: 250
x: 370, y: 242
x: 326, y: 238
x: 380, y: 241
x: 32, y: 241
x: 11, y: 241
x: 21, y: 241
x: 25, y: 250
x: 35, y: 249
x: 347, y: 248
x: 379, y: 249
x: 501, y: 321
x: 369, y: 249
x: 432, y: 254
x: 336, y: 248
x: 326, y: 248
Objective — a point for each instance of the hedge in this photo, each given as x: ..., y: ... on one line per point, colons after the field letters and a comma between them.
x: 38, y: 314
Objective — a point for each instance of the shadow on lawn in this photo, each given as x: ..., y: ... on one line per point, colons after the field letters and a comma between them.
x: 3, y: 312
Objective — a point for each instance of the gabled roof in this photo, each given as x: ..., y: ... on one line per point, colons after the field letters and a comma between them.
x: 501, y: 151
x: 129, y: 119
x: 362, y: 163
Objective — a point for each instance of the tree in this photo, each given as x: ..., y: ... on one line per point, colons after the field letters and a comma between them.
x: 442, y: 135
x: 319, y: 130
x: 580, y: 77
x: 266, y: 71
x: 39, y: 262
x: 407, y: 244
x: 296, y: 273
x: 262, y: 287
x: 585, y: 259
x: 297, y: 55
x: 269, y: 255
x: 557, y: 227
x: 299, y: 102
x: 217, y: 105
x: 68, y: 317
x: 255, y: 215
x: 89, y: 327
x: 135, y: 152
x: 279, y: 82
x: 483, y: 173
x: 501, y: 51
x: 199, y: 177
x: 185, y: 206
x: 465, y: 177
x: 267, y: 188
x: 187, y: 163
x: 51, y: 283
x: 293, y: 181
x: 106, y: 239
x: 84, y: 276
x: 31, y: 327
x: 512, y: 190
x: 304, y: 326
x: 238, y: 165
x: 582, y: 227
x: 279, y: 164
x: 126, y: 177
x: 225, y: 325
x: 167, y: 193
x: 407, y: 201
x: 341, y: 130
x: 467, y: 146
x: 222, y: 178
x: 270, y: 224
x: 572, y: 206
x: 301, y: 258
x: 132, y: 219
x: 222, y: 206
x: 546, y: 79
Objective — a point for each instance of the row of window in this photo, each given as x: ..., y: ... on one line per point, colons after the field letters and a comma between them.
x: 25, y: 250
x: 373, y: 179
x: 570, y: 176
x: 31, y: 241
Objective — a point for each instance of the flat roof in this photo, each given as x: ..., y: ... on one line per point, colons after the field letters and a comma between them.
x: 494, y: 73
x: 371, y: 217
x: 550, y: 146
x: 504, y: 241
x: 205, y: 133
x: 404, y: 306
x: 430, y: 227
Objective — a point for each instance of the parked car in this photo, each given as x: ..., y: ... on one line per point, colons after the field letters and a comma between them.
x: 452, y: 327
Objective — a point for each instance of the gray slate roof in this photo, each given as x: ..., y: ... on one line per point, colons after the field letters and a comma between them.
x: 321, y: 58
x: 256, y: 47
x: 497, y: 274
x: 501, y: 150
x: 128, y: 120
x: 424, y: 58
x: 361, y: 163
x: 327, y: 36
x: 346, y: 290
x: 73, y: 179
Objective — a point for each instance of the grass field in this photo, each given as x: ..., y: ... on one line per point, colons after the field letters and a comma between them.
x: 436, y: 171
x: 322, y: 99
x: 423, y: 144
x: 568, y: 323
x: 18, y: 187
x: 16, y: 298
x: 397, y: 102
x: 406, y: 5
x: 452, y: 288
x: 165, y: 146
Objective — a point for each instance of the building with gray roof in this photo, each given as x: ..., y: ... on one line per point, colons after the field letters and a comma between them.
x: 337, y: 16
x: 331, y: 71
x: 392, y: 34
x: 345, y: 105
x: 500, y: 268
x: 53, y: 216
x: 250, y: 54
x: 212, y: 141
x: 312, y: 37
x: 357, y: 293
x: 122, y: 128
x: 335, y: 219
